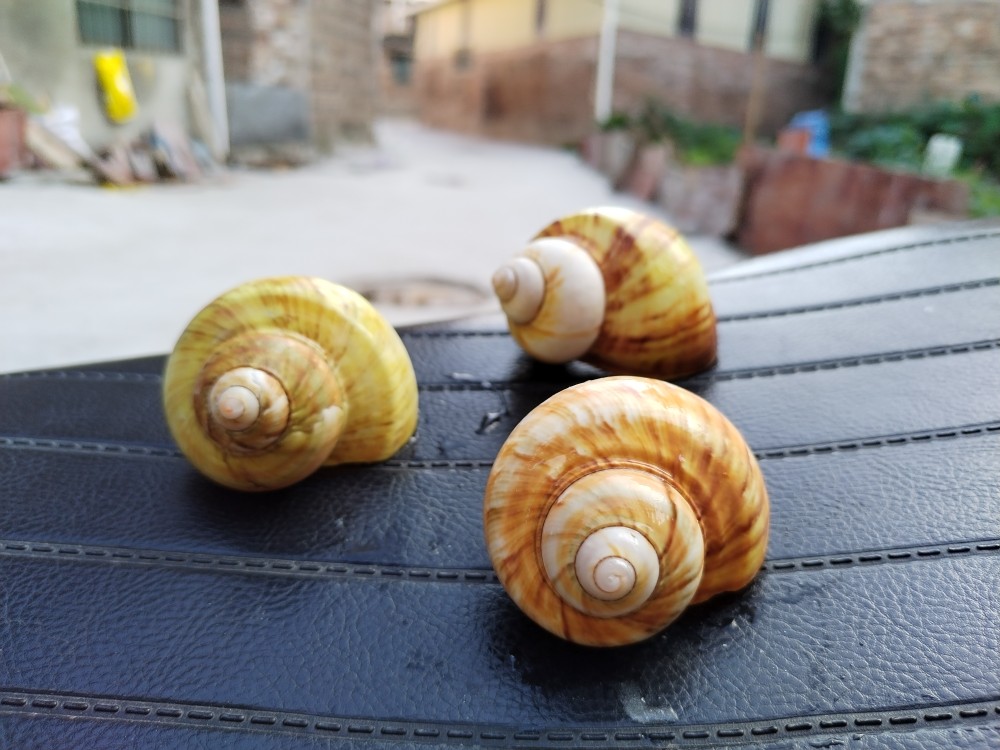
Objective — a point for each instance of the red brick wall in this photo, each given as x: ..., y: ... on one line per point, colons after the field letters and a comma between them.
x: 544, y: 92
x: 709, y: 83
x: 908, y: 52
x: 792, y: 199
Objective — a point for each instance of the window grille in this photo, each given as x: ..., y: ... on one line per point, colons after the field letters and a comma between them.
x: 151, y: 25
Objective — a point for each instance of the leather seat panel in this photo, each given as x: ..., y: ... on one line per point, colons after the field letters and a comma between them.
x: 866, y: 276
x: 921, y: 492
x: 140, y: 605
x: 794, y: 643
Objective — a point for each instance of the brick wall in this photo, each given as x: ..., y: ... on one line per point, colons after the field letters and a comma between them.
x: 910, y: 51
x: 544, y: 92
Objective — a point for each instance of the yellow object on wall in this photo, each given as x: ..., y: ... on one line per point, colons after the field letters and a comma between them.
x: 112, y: 75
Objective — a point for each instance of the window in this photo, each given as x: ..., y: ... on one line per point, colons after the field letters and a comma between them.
x: 687, y: 20
x: 541, y: 10
x: 153, y: 25
x: 758, y: 32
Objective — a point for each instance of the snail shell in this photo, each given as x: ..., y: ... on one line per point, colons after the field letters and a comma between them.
x: 280, y: 376
x: 617, y: 503
x: 614, y: 287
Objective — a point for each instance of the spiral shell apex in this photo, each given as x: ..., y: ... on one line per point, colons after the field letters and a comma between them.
x: 617, y: 503
x: 281, y: 376
x: 615, y: 288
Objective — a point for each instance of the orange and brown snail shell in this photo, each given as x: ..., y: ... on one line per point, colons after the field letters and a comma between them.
x: 617, y: 503
x: 280, y: 376
x: 613, y: 287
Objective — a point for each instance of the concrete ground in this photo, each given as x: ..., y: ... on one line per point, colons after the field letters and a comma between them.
x: 89, y: 274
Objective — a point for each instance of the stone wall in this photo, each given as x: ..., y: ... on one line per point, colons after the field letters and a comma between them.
x: 344, y: 70
x: 314, y: 60
x: 911, y: 51
x: 544, y: 92
x: 237, y: 39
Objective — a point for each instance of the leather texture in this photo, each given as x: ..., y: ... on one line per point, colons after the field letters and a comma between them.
x: 142, y: 606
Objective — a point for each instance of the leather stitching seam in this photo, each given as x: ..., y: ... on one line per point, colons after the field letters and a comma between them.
x: 325, y: 570
x: 884, y: 441
x: 863, y: 301
x: 128, y: 377
x: 794, y: 451
x: 861, y: 256
x: 743, y: 373
x: 967, y: 715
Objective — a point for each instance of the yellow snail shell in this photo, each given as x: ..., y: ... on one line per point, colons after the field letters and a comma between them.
x: 280, y: 376
x: 614, y: 287
x: 617, y: 503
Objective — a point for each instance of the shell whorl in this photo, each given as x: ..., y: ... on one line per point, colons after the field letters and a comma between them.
x: 614, y: 537
x: 280, y: 376
x: 616, y: 561
x: 553, y: 295
x: 520, y: 287
x: 606, y: 471
x: 249, y: 406
x: 656, y: 314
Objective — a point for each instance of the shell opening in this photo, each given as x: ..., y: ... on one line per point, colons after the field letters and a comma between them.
x: 520, y: 287
x: 613, y: 561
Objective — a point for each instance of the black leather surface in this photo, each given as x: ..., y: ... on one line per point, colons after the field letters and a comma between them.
x: 141, y: 606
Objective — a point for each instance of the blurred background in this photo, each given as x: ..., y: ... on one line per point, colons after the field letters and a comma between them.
x: 154, y: 153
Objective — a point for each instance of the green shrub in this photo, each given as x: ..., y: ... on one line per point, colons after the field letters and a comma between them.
x: 984, y: 196
x: 895, y: 145
x: 615, y: 121
x: 695, y: 143
x: 895, y: 137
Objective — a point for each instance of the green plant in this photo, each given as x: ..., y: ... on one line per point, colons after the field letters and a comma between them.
x: 893, y: 145
x: 695, y: 143
x: 897, y: 135
x: 984, y: 196
x: 706, y: 145
x: 615, y: 121
x: 15, y: 95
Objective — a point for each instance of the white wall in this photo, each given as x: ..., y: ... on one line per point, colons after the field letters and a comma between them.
x: 40, y: 44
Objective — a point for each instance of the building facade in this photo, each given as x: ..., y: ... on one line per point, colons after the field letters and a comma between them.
x: 48, y: 47
x: 302, y: 71
x: 525, y: 68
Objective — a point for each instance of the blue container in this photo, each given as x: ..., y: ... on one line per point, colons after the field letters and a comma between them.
x: 817, y: 123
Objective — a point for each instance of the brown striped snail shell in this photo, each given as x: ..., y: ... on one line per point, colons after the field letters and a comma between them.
x: 617, y: 503
x: 613, y: 287
x: 280, y: 376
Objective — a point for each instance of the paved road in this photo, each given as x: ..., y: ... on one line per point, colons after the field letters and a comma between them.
x: 90, y: 274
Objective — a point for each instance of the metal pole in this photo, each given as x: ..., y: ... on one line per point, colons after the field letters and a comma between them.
x: 604, y: 87
x: 758, y: 81
x: 215, y: 80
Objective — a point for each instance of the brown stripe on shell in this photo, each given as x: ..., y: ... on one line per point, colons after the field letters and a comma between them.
x: 658, y: 314
x: 338, y: 337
